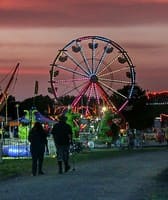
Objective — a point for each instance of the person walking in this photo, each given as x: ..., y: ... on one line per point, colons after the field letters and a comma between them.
x: 131, y: 139
x: 62, y: 135
x: 38, y: 140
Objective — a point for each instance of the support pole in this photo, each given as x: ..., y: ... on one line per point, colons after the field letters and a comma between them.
x: 1, y: 144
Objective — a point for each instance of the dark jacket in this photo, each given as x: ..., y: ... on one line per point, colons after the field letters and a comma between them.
x: 38, y: 139
x: 62, y: 133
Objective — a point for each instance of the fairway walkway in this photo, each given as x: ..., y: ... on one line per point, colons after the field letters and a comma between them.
x: 122, y: 178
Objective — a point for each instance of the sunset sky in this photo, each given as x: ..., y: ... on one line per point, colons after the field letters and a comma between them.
x: 32, y: 32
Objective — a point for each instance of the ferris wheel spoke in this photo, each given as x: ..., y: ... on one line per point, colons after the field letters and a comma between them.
x: 102, y: 58
x: 67, y: 92
x: 105, y: 96
x: 94, y: 44
x: 90, y: 92
x: 84, y: 57
x: 69, y: 70
x: 83, y: 91
x: 123, y: 106
x: 115, y: 71
x: 113, y: 90
x: 76, y: 62
x: 108, y: 65
x: 115, y: 81
x: 96, y: 93
x: 60, y: 81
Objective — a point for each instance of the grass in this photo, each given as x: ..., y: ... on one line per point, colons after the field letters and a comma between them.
x: 22, y: 167
x: 14, y: 167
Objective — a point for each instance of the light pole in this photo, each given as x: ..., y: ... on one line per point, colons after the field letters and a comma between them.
x: 4, y: 104
x: 6, y: 109
x: 1, y: 143
x: 17, y: 112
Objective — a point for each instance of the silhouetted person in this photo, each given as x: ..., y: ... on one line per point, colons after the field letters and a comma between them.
x: 38, y: 140
x: 115, y: 131
x: 131, y: 139
x: 62, y: 135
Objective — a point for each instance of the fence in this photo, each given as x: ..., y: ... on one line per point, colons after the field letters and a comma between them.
x: 18, y: 148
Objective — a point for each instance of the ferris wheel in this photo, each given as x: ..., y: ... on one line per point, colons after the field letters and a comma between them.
x: 93, y: 67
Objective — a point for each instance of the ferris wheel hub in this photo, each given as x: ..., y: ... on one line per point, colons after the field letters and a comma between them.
x: 93, y: 78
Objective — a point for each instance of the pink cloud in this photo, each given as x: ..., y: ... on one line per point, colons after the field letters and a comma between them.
x: 27, y: 45
x: 144, y: 46
x: 85, y: 13
x: 133, y: 24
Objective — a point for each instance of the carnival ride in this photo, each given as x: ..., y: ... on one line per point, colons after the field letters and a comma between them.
x: 4, y: 97
x: 92, y: 69
x: 5, y: 92
x: 157, y: 98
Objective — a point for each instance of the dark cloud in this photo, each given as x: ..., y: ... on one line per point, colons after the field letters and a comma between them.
x: 82, y: 14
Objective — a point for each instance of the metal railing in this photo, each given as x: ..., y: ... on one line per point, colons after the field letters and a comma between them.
x: 17, y: 148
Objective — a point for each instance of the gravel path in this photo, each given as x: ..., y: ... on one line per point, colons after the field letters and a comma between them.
x: 122, y: 178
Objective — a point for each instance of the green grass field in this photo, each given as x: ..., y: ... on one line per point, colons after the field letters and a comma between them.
x: 22, y: 167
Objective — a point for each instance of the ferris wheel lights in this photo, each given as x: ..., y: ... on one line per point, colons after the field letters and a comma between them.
x: 121, y: 60
x: 104, y: 109
x: 108, y: 49
x: 81, y: 116
x: 76, y: 49
x: 63, y: 58
x: 93, y: 45
x: 97, y: 119
x: 69, y: 107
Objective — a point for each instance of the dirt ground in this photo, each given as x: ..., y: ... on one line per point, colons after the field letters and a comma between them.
x: 132, y: 177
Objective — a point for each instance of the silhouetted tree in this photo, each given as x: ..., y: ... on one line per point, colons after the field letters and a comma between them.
x: 42, y: 103
x: 10, y: 108
x: 137, y: 113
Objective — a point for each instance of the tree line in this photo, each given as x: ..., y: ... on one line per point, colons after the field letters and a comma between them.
x: 138, y: 114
